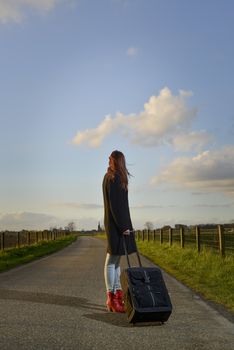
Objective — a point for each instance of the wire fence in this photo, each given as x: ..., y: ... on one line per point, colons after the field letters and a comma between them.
x: 12, y: 239
x: 218, y: 239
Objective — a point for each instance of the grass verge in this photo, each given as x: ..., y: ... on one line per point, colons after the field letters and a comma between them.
x: 206, y: 273
x: 10, y: 258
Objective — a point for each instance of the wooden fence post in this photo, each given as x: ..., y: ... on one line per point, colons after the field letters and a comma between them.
x: 18, y: 239
x: 221, y: 240
x: 182, y: 237
x: 161, y: 236
x: 170, y: 237
x: 148, y: 235
x: 3, y: 241
x: 198, y: 239
x: 154, y: 235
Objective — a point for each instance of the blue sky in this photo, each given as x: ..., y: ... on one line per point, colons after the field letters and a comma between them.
x: 79, y: 79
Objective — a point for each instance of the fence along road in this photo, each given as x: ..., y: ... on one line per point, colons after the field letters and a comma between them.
x: 57, y: 302
x: 219, y: 239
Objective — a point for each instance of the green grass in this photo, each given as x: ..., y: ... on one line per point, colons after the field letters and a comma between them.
x: 207, y: 273
x: 100, y: 235
x: 10, y: 258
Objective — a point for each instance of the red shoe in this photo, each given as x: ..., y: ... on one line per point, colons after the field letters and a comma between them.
x: 120, y: 296
x: 113, y: 304
x: 109, y: 301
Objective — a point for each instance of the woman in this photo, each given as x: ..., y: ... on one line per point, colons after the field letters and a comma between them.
x: 117, y: 223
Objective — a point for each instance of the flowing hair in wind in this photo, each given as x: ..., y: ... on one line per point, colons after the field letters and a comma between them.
x: 120, y: 168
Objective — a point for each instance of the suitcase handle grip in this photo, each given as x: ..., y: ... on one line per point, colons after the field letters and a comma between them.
x: 126, y: 253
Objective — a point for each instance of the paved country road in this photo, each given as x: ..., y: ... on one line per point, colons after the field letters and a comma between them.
x: 58, y: 302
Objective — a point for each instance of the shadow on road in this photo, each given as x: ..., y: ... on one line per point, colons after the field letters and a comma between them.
x: 46, y: 298
x: 117, y: 319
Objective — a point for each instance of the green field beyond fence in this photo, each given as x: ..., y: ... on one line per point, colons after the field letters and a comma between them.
x: 219, y: 239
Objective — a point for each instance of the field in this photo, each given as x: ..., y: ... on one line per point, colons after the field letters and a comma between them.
x: 10, y: 258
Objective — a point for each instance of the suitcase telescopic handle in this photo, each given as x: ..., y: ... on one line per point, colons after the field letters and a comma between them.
x: 126, y: 253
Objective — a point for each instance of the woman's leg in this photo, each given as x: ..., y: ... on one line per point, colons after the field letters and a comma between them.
x: 112, y: 272
x: 112, y: 280
x: 117, y: 284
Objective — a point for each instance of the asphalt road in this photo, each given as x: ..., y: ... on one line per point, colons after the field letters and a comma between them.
x: 58, y: 302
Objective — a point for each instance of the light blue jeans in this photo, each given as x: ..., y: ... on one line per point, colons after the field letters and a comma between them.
x: 112, y: 272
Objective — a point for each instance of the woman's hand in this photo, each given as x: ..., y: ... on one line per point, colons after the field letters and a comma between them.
x: 127, y: 232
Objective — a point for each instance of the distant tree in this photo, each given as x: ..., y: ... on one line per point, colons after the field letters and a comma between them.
x: 53, y: 228
x: 70, y: 227
x: 178, y: 226
x: 100, y: 227
x: 166, y: 227
x: 149, y: 225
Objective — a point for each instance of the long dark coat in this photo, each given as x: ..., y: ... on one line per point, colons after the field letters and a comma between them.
x: 117, y: 216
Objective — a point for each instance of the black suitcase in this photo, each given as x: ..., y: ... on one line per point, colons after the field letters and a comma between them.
x: 146, y: 297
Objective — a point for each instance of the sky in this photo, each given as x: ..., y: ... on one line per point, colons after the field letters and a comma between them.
x: 81, y: 78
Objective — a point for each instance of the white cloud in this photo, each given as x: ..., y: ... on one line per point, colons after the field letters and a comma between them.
x: 13, y: 10
x: 132, y: 51
x: 27, y: 221
x: 225, y: 205
x: 194, y: 141
x: 86, y: 206
x: 94, y: 137
x: 209, y: 171
x: 163, y: 117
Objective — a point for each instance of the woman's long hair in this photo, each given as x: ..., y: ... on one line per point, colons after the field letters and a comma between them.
x: 119, y: 166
